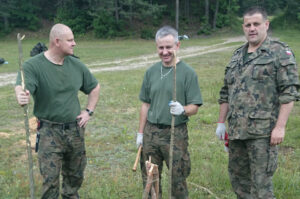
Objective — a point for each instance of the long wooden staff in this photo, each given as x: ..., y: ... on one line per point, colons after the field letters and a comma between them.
x: 25, y: 107
x: 172, y: 128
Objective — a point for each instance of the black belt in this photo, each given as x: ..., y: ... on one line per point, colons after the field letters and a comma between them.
x: 161, y: 126
x: 164, y: 126
x: 62, y: 126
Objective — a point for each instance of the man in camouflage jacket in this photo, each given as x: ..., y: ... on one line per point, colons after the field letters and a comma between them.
x: 260, y: 87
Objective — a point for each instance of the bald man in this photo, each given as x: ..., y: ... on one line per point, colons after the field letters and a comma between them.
x: 53, y: 79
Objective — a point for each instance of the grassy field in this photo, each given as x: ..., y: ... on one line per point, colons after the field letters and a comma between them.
x: 110, y: 135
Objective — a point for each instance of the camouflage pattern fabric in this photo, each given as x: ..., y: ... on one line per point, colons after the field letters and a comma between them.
x: 156, y: 143
x: 61, y: 150
x: 252, y: 164
x: 255, y: 89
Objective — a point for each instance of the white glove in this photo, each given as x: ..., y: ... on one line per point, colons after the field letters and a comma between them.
x: 220, y: 131
x: 139, y: 139
x: 176, y: 108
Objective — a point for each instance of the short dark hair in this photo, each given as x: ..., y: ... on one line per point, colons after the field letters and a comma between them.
x: 165, y: 31
x: 256, y: 9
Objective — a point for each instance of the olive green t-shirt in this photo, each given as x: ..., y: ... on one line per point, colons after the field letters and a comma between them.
x: 55, y: 87
x: 157, y: 90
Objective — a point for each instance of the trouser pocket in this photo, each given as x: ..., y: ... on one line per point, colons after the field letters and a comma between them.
x: 272, y: 160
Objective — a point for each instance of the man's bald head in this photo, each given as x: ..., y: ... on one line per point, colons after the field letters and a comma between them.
x: 58, y: 30
x: 61, y: 40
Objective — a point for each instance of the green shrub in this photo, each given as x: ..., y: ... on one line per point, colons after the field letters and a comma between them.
x: 105, y: 26
x: 147, y: 33
x: 78, y: 20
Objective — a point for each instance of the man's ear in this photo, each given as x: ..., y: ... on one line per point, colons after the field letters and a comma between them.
x: 178, y: 44
x: 267, y: 24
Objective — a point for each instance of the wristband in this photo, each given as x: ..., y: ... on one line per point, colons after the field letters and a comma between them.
x: 89, y: 112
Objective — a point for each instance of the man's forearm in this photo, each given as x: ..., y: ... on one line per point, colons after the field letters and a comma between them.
x: 224, y: 107
x: 143, y: 116
x: 191, y: 109
x: 284, y: 113
x: 93, y: 98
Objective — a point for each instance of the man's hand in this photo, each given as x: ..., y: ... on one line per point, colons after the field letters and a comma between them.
x: 277, y: 136
x: 139, y: 139
x: 220, y: 131
x: 84, y: 117
x: 176, y: 108
x: 23, y: 98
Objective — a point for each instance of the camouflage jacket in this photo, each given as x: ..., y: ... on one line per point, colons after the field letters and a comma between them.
x: 255, y: 89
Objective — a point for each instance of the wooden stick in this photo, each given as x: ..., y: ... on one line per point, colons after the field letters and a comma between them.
x: 172, y: 129
x: 137, y: 158
x: 149, y: 183
x: 26, y: 120
x: 204, y: 188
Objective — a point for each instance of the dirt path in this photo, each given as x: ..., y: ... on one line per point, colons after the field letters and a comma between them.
x: 141, y: 61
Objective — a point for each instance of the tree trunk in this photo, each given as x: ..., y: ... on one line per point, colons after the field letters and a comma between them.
x: 117, y: 10
x: 130, y: 14
x: 216, y: 14
x: 177, y: 15
x: 206, y: 11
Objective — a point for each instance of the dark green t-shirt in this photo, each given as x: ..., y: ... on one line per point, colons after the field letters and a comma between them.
x: 55, y: 87
x: 157, y: 90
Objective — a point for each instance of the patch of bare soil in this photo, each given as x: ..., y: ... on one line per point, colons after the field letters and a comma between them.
x: 4, y: 135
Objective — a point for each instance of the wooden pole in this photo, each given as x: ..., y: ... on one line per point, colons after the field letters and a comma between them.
x: 26, y: 120
x: 172, y: 129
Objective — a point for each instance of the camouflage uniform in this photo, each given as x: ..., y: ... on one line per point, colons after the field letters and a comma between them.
x: 156, y: 141
x: 61, y: 148
x: 254, y: 90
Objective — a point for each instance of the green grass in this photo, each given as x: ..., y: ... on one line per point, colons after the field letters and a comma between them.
x: 110, y: 135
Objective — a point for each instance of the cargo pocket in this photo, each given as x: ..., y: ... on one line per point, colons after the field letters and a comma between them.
x: 259, y: 122
x: 263, y: 69
x: 186, y: 165
x: 272, y: 160
x: 230, y: 72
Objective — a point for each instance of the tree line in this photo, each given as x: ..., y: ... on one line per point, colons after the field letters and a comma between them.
x: 117, y: 18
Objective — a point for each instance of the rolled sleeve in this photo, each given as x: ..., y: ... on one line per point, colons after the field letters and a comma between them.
x: 288, y: 78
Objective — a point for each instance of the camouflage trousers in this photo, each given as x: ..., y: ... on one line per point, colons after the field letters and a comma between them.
x: 252, y: 164
x: 156, y: 143
x: 61, y: 150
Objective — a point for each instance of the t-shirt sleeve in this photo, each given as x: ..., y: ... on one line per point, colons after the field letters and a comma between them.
x: 30, y: 78
x: 89, y: 81
x: 145, y: 90
x: 287, y: 77
x: 193, y: 93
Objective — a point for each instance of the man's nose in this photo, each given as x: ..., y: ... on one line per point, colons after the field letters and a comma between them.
x: 252, y: 27
x: 165, y: 51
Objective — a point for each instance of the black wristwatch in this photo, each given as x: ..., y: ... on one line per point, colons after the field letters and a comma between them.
x: 89, y: 112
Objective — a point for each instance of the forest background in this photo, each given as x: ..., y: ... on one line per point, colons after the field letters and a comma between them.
x: 139, y: 18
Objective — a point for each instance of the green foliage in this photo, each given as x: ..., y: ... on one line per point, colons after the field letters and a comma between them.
x: 136, y: 15
x: 75, y: 15
x: 23, y: 14
x: 147, y: 33
x: 289, y: 17
x: 205, y: 27
x: 105, y: 26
